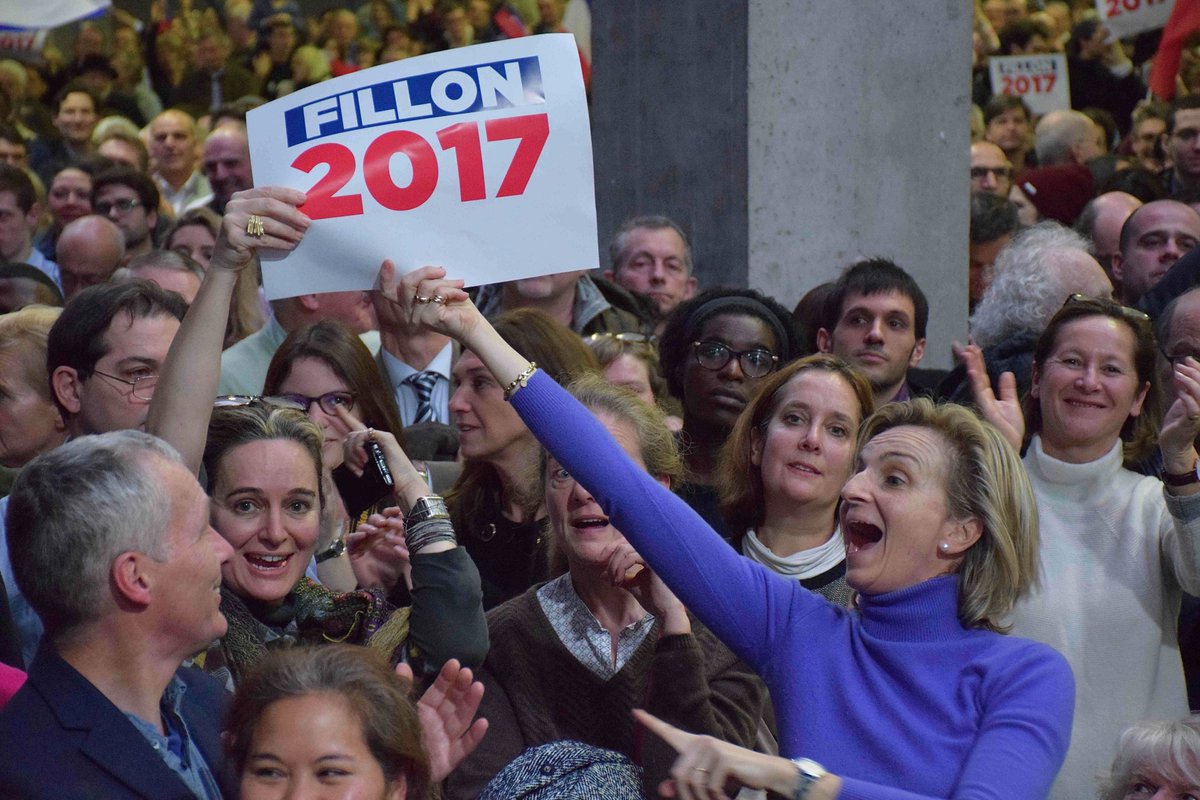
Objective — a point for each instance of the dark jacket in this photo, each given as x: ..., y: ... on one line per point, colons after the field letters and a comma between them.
x: 61, y: 738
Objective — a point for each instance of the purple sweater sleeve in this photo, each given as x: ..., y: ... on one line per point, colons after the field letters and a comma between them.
x: 724, y: 590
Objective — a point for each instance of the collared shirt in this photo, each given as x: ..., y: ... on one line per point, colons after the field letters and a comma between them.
x: 406, y: 395
x: 38, y: 259
x: 589, y: 302
x: 177, y: 748
x: 244, y: 365
x: 194, y: 193
x: 583, y: 635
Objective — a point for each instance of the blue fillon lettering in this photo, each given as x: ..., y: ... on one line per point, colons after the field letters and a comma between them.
x: 500, y: 84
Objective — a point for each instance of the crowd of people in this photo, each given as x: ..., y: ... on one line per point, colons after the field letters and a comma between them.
x: 602, y: 534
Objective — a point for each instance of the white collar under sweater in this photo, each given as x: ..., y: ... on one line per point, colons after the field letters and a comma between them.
x: 802, y: 565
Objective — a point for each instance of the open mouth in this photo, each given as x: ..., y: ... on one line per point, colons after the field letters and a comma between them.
x: 268, y: 564
x: 589, y: 522
x: 807, y: 469
x: 860, y: 536
x: 1084, y: 404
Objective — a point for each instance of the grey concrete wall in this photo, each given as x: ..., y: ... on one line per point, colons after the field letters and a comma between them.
x: 669, y: 123
x: 858, y: 146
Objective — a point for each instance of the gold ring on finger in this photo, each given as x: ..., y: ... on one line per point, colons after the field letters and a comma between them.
x: 254, y: 226
x: 437, y: 298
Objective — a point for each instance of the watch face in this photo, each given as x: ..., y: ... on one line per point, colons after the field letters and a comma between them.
x: 809, y: 768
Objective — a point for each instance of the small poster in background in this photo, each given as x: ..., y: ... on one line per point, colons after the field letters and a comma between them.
x: 1041, y: 81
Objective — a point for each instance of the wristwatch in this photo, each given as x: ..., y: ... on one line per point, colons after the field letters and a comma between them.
x: 810, y: 772
x: 1181, y: 478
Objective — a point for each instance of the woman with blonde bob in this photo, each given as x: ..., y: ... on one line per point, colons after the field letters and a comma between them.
x: 1156, y: 760
x: 916, y: 689
x: 783, y: 468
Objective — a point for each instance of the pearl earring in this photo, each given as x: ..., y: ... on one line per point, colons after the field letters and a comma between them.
x: 944, y: 547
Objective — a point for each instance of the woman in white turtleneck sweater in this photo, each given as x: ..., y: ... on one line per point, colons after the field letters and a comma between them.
x: 1118, y: 548
x: 784, y: 465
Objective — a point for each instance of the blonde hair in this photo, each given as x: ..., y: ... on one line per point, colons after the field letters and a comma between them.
x: 23, y: 334
x: 985, y: 480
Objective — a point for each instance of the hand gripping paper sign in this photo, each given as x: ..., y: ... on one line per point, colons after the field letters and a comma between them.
x: 477, y: 159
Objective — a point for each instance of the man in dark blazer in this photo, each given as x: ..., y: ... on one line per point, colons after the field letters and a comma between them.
x: 110, y: 543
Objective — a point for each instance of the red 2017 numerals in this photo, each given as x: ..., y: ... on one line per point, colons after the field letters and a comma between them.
x: 463, y: 138
x: 1118, y: 7
x: 1023, y: 84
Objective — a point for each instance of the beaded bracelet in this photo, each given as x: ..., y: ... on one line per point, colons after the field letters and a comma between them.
x: 521, y: 381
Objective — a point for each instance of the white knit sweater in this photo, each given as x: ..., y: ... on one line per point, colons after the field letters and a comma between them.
x: 1114, y: 556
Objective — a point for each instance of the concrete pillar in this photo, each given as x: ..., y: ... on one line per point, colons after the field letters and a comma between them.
x: 792, y: 137
x: 858, y: 146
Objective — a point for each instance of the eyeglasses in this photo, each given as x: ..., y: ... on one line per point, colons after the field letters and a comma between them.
x: 1109, y: 307
x: 642, y: 338
x: 243, y: 400
x: 754, y: 363
x: 104, y: 207
x: 142, y: 388
x: 329, y: 402
x: 1003, y: 173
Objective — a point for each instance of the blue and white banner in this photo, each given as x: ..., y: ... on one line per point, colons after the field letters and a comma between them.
x: 478, y: 159
x: 17, y: 15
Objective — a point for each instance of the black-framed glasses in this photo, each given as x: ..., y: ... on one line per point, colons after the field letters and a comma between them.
x: 754, y: 363
x: 1107, y: 306
x: 243, y: 400
x: 329, y: 402
x: 104, y: 207
x: 142, y: 388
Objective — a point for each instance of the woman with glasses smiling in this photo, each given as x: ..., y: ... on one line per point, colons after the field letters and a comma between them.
x: 715, y: 350
x: 1118, y: 548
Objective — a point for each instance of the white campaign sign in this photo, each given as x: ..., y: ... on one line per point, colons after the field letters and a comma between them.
x: 477, y: 159
x: 1128, y: 17
x: 1041, y: 81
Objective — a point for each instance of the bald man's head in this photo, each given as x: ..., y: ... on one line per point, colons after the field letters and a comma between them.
x: 89, y: 250
x: 1101, y: 221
